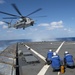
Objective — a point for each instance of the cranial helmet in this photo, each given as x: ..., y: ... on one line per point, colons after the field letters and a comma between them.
x: 54, y: 53
x: 50, y: 50
x: 66, y: 52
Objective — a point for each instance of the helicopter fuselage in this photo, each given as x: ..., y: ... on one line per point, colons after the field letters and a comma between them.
x: 23, y: 24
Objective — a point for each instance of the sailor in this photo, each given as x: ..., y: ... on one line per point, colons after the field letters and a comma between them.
x: 55, y: 62
x: 68, y: 59
x: 49, y: 55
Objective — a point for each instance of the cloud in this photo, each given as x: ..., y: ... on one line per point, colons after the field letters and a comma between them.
x: 5, y: 27
x: 9, y: 31
x: 44, y: 24
x: 52, y: 25
x: 68, y: 30
x: 2, y: 23
x: 2, y: 1
x: 23, y: 34
x: 58, y: 24
x: 35, y: 29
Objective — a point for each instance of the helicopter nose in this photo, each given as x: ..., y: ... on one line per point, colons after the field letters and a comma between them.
x: 32, y: 23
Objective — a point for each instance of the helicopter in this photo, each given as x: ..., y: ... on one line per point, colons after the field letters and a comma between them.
x: 18, y: 24
x: 23, y: 22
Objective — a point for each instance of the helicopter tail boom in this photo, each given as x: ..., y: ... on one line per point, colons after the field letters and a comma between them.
x: 9, y: 24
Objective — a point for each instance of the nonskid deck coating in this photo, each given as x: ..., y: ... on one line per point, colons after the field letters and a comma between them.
x: 42, y: 48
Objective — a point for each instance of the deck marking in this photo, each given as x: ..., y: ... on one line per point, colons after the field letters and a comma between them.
x: 45, y: 67
x: 43, y: 70
x: 58, y: 51
x: 58, y: 73
x: 59, y: 47
x: 43, y: 58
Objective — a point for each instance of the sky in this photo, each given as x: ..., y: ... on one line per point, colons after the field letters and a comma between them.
x: 59, y: 21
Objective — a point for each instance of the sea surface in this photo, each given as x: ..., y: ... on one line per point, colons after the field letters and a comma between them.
x: 6, y: 43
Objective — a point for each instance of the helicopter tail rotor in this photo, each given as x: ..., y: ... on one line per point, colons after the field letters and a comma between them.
x: 9, y: 23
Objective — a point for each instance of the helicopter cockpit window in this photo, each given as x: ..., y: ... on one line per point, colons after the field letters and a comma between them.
x: 28, y: 19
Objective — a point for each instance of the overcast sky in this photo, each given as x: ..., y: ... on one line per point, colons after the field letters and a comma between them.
x: 60, y: 20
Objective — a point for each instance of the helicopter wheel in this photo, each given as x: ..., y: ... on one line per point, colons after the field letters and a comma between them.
x: 16, y: 27
x: 32, y: 24
x: 23, y: 28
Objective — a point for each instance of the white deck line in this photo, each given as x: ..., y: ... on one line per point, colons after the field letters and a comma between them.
x: 45, y: 67
x: 43, y: 70
x: 58, y: 73
x: 58, y: 51
x: 59, y: 47
x: 43, y: 58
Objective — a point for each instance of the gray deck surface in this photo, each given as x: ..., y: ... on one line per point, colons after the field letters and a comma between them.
x: 7, y: 60
x: 42, y: 48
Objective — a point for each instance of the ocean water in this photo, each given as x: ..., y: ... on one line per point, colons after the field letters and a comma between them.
x: 5, y: 43
x: 66, y: 39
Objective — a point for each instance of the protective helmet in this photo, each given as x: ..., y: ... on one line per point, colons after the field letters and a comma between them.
x: 66, y: 52
x: 50, y: 50
x: 54, y: 53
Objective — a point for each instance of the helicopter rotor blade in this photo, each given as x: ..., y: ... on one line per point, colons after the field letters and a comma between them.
x: 34, y: 12
x: 11, y: 21
x: 15, y: 7
x: 6, y: 22
x: 8, y: 14
x: 10, y: 18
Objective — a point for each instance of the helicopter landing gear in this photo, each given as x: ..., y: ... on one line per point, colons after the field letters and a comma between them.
x: 16, y: 27
x: 32, y: 23
x: 23, y: 28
